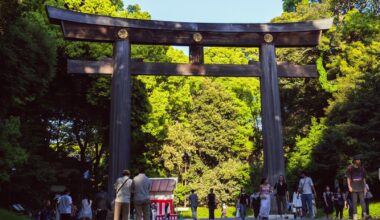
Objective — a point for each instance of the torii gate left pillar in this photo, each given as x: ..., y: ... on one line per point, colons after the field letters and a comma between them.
x: 120, y: 117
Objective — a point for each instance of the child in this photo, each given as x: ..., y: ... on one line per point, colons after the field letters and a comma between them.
x: 297, y: 204
x: 224, y: 210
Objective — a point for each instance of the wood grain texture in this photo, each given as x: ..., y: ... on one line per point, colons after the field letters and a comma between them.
x: 56, y: 15
x: 120, y: 116
x: 274, y: 164
x: 86, y: 32
x: 173, y: 69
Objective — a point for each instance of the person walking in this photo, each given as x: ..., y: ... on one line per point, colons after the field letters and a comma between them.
x: 141, y: 188
x: 86, y: 211
x: 339, y: 200
x: 211, y: 204
x: 65, y: 205
x: 282, y: 195
x: 255, y: 203
x: 328, y: 202
x: 193, y: 198
x: 265, y: 190
x: 123, y: 196
x: 153, y: 207
x: 356, y: 181
x: 297, y: 203
x: 101, y: 204
x: 224, y: 210
x: 243, y: 202
x: 307, y: 189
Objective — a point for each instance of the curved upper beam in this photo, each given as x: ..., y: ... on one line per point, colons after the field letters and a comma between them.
x: 57, y: 15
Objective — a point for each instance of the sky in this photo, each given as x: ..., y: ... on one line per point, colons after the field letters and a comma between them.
x: 218, y: 11
x: 211, y: 11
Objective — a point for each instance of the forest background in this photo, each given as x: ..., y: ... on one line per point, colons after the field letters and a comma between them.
x: 205, y: 131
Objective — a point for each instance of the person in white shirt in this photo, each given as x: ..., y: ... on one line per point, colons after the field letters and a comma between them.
x: 141, y: 189
x: 86, y: 211
x: 297, y: 203
x: 65, y: 205
x: 123, y: 196
x: 307, y: 189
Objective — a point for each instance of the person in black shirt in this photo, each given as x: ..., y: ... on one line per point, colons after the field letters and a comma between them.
x: 339, y: 203
x: 356, y: 182
x: 211, y: 203
x: 243, y: 202
x: 282, y: 195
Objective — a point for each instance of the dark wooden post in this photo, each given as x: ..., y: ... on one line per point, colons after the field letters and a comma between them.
x: 271, y: 114
x: 196, y: 54
x: 120, y: 121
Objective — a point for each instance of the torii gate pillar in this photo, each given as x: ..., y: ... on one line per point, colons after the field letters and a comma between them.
x: 120, y: 118
x: 271, y: 114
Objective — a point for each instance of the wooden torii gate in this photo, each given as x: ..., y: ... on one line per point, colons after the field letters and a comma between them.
x: 124, y: 32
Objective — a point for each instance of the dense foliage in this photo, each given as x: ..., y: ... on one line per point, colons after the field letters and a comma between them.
x: 205, y: 131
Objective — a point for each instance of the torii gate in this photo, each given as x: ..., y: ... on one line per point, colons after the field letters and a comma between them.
x: 124, y: 32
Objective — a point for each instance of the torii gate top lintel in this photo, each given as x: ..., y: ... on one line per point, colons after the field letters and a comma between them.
x: 81, y: 26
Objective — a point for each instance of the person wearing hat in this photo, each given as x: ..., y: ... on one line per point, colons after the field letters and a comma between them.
x: 356, y: 175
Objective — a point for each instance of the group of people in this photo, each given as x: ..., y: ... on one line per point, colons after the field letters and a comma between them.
x: 302, y: 204
x: 121, y: 205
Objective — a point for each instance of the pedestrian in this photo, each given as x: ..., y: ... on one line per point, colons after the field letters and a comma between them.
x: 167, y: 211
x: 65, y: 205
x: 101, y: 204
x: 85, y: 212
x: 211, y: 204
x: 141, y: 188
x: 328, y: 200
x: 255, y: 203
x: 356, y: 181
x: 282, y: 195
x: 153, y: 207
x: 47, y: 212
x: 339, y: 200
x: 237, y: 209
x: 297, y: 203
x: 348, y: 200
x: 243, y: 203
x: 224, y: 210
x: 193, y: 198
x: 123, y: 196
x: 265, y: 191
x: 306, y: 186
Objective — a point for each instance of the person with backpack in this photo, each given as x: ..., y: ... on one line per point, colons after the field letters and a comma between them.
x: 123, y: 196
x: 356, y: 181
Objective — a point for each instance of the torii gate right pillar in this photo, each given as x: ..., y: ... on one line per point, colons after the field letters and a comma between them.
x: 271, y: 115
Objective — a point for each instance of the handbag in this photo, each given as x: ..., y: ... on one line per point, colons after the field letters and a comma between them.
x: 368, y: 195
